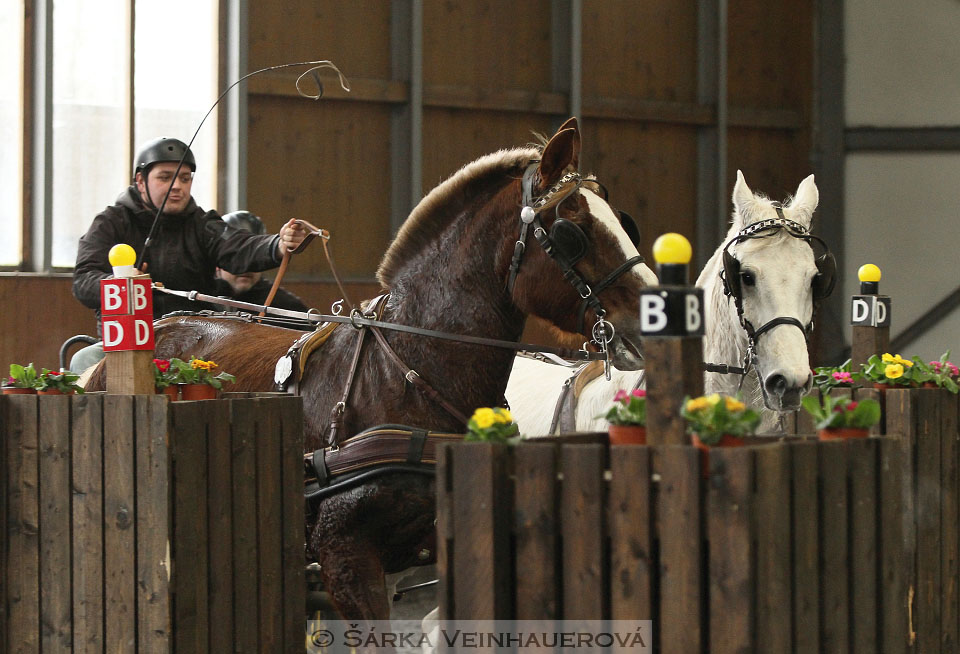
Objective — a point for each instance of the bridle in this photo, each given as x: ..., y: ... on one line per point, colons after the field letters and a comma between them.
x: 566, y: 244
x: 822, y: 284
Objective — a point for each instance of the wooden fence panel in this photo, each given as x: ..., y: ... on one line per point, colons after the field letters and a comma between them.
x: 730, y: 541
x: 87, y: 509
x: 220, y: 516
x: 4, y: 553
x: 445, y: 531
x: 244, y: 520
x: 482, y: 590
x: 269, y: 527
x: 536, y: 531
x: 585, y: 578
x: 23, y: 529
x: 290, y: 410
x: 772, y: 529
x: 834, y: 547
x: 928, y: 491
x: 189, y: 548
x: 895, y: 521
x: 55, y: 563
x: 154, y: 508
x: 805, y: 531
x: 119, y: 542
x: 949, y: 518
x: 681, y: 546
x: 632, y: 566
x: 864, y: 564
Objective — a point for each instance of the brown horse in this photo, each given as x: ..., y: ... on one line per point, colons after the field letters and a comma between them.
x: 449, y: 269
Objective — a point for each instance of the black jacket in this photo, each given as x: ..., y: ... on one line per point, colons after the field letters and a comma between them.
x: 257, y: 294
x: 184, y: 253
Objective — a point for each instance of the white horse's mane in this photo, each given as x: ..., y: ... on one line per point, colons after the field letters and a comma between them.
x: 534, y: 386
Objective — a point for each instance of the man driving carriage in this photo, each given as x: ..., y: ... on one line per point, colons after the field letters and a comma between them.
x: 188, y: 245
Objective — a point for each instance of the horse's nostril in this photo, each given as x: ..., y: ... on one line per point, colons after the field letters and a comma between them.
x: 776, y: 385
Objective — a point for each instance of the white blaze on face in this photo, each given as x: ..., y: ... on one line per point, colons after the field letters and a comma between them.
x: 603, y: 213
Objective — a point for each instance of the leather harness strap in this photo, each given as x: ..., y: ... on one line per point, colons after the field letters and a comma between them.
x: 384, y: 444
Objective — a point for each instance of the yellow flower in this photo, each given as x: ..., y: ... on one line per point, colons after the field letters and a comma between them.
x: 200, y: 364
x: 503, y: 415
x: 484, y: 418
x: 896, y: 358
x: 697, y: 404
x: 893, y: 371
x: 713, y: 399
x: 735, y: 405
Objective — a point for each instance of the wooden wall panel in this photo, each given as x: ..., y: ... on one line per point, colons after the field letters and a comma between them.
x: 354, y: 34
x: 650, y: 172
x: 771, y: 55
x: 640, y: 50
x: 39, y: 313
x: 453, y: 138
x: 773, y: 161
x: 500, y: 44
x: 326, y: 162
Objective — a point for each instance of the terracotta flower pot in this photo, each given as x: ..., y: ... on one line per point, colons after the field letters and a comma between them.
x: 627, y: 435
x: 51, y: 391
x: 172, y: 391
x: 841, y: 433
x: 13, y: 390
x: 726, y: 440
x: 197, y: 392
x: 929, y: 384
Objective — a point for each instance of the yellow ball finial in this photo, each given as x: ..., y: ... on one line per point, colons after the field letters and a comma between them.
x: 869, y: 273
x: 122, y: 254
x: 672, y: 248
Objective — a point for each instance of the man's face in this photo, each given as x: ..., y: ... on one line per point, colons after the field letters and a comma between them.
x: 158, y: 181
x: 240, y: 283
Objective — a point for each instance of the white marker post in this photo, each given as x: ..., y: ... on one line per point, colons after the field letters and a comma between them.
x: 869, y: 318
x: 126, y: 308
x: 671, y: 326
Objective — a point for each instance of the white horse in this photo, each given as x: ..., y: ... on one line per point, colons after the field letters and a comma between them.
x: 778, y: 275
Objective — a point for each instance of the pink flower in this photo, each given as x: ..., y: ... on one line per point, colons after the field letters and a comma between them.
x: 954, y: 371
x: 621, y: 396
x: 11, y: 380
x: 843, y: 377
x: 638, y: 392
x: 849, y: 407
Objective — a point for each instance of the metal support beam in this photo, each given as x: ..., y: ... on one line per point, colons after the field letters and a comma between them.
x: 709, y: 215
x: 828, y: 164
x: 406, y: 120
x: 42, y: 188
x: 902, y: 139
x: 232, y: 122
x: 566, y: 56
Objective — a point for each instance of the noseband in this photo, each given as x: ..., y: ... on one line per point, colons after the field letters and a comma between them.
x: 565, y: 244
x: 823, y: 282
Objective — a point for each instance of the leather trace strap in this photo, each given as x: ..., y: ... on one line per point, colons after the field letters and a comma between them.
x: 356, y: 319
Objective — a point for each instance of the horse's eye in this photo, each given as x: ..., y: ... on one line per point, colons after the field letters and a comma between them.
x: 748, y: 279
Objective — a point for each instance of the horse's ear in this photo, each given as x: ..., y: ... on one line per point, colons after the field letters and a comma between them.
x: 562, y: 152
x: 805, y: 201
x: 742, y: 195
x: 570, y: 123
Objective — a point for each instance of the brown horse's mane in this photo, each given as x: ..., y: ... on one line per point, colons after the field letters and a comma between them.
x: 434, y: 212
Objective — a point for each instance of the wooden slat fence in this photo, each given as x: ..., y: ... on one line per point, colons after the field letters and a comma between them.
x: 789, y: 544
x: 135, y: 525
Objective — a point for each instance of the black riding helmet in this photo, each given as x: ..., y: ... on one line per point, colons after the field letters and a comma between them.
x: 162, y: 149
x: 245, y: 221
